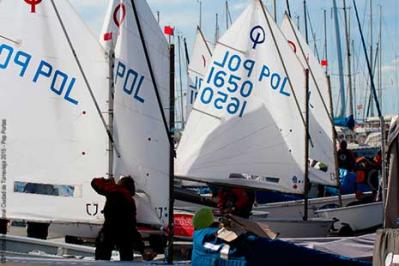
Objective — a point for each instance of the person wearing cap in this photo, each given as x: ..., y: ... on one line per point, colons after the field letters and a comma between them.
x: 119, y: 228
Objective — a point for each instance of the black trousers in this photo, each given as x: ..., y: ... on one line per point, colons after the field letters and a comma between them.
x: 108, y: 239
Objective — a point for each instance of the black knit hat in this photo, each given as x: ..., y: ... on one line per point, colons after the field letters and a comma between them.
x: 128, y: 183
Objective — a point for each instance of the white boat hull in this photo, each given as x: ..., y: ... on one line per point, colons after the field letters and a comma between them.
x: 358, y: 217
x: 293, y: 228
x: 73, y: 229
x: 295, y: 209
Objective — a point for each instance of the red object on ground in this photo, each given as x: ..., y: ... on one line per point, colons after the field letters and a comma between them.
x: 183, y: 226
x: 169, y: 30
x: 324, y: 62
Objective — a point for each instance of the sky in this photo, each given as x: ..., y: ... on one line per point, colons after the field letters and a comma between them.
x: 184, y: 16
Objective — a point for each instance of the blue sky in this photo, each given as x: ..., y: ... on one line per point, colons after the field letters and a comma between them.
x: 184, y: 15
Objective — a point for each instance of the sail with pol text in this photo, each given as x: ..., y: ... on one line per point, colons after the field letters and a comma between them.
x: 322, y: 146
x: 200, y: 59
x: 247, y: 117
x: 54, y: 139
x: 140, y: 125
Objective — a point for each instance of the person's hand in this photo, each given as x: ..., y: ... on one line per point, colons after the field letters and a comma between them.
x: 149, y: 254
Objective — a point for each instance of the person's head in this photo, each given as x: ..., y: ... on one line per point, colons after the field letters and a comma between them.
x: 203, y: 218
x: 343, y: 145
x: 128, y: 183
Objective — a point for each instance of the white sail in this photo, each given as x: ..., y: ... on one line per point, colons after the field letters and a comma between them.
x: 53, y: 140
x: 245, y: 119
x: 321, y: 128
x: 200, y: 58
x: 140, y: 134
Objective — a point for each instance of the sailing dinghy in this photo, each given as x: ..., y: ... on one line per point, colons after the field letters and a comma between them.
x: 248, y: 114
x: 140, y: 125
x: 55, y: 88
x: 361, y: 216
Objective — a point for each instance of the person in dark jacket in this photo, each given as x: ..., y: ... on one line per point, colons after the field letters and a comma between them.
x: 119, y: 229
x: 346, y: 158
x: 236, y: 201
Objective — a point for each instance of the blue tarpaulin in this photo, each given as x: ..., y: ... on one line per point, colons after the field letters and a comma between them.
x: 252, y: 250
x: 348, y: 122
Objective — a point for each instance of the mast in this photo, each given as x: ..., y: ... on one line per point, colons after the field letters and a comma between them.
x: 371, y: 56
x: 334, y: 141
x: 275, y: 10
x: 348, y: 57
x: 297, y: 22
x: 111, y: 60
x: 370, y: 106
x: 316, y: 50
x: 306, y: 22
x: 228, y: 15
x: 288, y: 7
x: 340, y: 63
x: 200, y: 13
x: 325, y: 43
x: 306, y: 174
x: 180, y: 80
x: 380, y: 59
x: 217, y: 28
x: 172, y: 151
x: 354, y: 68
x: 383, y: 182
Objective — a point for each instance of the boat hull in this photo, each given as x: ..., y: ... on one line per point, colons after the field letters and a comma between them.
x: 294, y: 228
x: 295, y: 209
x: 358, y: 217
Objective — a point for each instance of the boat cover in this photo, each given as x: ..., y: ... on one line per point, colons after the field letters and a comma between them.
x: 252, y: 250
x: 348, y: 122
x: 360, y: 247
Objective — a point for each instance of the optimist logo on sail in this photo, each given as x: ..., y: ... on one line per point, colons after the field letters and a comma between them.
x: 33, y: 4
x: 257, y: 36
x: 61, y: 83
